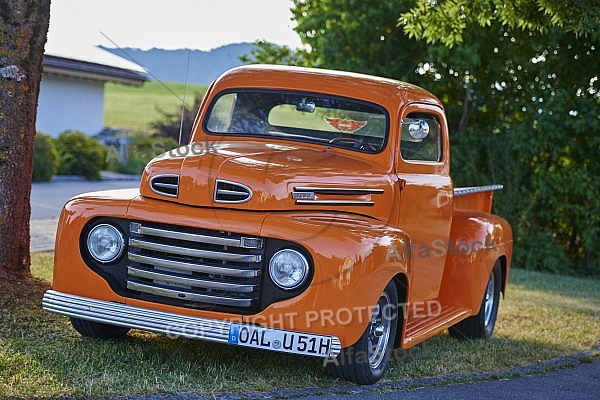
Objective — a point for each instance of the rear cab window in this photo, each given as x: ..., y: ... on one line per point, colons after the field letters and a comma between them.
x: 421, y: 139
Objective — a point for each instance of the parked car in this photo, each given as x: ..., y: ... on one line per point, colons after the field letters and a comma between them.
x: 312, y: 213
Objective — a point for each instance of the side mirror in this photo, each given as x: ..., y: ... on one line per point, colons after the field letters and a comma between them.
x: 418, y: 129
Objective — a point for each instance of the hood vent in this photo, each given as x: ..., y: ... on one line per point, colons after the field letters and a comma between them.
x: 231, y: 192
x: 165, y: 185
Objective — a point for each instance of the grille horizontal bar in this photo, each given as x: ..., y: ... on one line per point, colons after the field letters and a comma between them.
x: 192, y: 282
x: 184, y: 251
x: 193, y: 237
x: 185, y: 266
x: 188, y: 296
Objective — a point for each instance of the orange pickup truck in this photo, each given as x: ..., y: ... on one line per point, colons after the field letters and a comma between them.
x: 312, y: 212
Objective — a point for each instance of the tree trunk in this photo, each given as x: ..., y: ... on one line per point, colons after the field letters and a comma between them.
x: 23, y: 29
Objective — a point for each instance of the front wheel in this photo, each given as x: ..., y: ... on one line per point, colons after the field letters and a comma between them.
x: 481, y: 326
x: 365, y: 362
x: 98, y: 330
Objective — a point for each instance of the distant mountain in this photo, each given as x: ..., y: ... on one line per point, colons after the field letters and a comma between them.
x: 170, y: 65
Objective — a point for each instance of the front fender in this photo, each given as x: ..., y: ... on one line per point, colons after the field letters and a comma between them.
x: 352, y: 266
x: 71, y: 274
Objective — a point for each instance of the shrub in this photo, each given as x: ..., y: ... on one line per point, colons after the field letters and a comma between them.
x: 141, y: 149
x: 45, y: 158
x: 80, y: 154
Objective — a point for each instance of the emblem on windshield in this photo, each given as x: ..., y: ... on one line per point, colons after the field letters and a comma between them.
x: 345, y: 125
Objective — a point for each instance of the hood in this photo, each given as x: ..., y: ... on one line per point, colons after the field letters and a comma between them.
x: 270, y: 177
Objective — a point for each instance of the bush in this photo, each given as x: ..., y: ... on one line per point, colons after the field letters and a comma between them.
x: 141, y: 149
x: 45, y: 158
x: 80, y: 154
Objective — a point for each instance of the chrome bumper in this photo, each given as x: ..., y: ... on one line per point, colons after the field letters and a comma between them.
x: 171, y: 324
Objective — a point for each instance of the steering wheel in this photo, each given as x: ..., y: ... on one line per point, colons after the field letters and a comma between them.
x: 356, y: 143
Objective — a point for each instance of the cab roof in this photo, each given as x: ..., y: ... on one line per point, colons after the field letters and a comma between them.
x: 384, y: 91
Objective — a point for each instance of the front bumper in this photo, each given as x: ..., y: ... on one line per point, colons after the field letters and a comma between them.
x: 178, y: 325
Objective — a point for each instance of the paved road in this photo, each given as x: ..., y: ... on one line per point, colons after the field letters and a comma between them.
x: 581, y: 382
x: 48, y: 198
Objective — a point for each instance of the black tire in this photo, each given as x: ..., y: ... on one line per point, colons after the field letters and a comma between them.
x: 366, y: 361
x: 98, y: 330
x: 481, y: 326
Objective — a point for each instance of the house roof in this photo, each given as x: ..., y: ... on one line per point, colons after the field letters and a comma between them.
x: 93, y: 63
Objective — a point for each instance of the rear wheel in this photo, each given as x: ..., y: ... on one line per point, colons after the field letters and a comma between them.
x: 98, y: 330
x: 365, y: 362
x: 481, y: 326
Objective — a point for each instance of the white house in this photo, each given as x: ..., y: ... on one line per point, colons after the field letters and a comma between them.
x: 72, y: 88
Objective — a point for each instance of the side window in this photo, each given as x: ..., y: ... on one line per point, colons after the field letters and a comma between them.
x: 421, y: 138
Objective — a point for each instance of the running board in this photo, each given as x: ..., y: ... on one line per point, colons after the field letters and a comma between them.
x: 423, y: 323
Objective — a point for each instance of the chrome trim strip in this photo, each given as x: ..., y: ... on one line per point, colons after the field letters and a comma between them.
x: 231, y: 192
x: 165, y: 185
x: 476, y: 189
x: 202, y: 268
x: 184, y: 251
x: 193, y: 282
x: 190, y: 237
x: 218, y: 191
x: 340, y: 191
x: 167, y: 323
x: 334, y: 203
x: 187, y: 296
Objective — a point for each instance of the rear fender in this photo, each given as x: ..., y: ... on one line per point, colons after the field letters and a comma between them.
x: 477, y: 241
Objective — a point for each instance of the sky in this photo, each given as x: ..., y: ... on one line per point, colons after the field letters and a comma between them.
x: 169, y: 24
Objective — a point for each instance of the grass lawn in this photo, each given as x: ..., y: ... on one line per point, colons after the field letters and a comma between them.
x: 543, y: 317
x: 134, y: 108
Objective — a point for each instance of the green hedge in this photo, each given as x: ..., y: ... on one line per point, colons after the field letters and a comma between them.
x: 45, y: 158
x: 80, y: 154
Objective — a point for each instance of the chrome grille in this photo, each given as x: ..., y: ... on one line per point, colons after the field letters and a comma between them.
x: 231, y: 192
x: 165, y: 185
x: 193, y: 267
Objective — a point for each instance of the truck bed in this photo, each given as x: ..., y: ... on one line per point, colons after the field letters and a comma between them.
x: 475, y: 197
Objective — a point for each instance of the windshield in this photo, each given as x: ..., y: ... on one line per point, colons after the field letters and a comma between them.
x: 328, y: 120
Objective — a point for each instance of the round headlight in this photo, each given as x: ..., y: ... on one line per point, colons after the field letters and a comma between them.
x: 105, y: 243
x: 288, y: 268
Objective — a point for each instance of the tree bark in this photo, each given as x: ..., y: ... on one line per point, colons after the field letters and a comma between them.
x: 23, y: 29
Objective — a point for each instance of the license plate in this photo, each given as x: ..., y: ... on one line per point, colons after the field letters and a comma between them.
x: 284, y: 341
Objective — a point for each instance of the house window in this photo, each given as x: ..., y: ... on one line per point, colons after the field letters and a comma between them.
x: 421, y: 138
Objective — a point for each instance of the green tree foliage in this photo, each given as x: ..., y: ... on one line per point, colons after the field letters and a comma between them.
x: 446, y: 20
x: 45, y: 158
x: 80, y: 154
x: 270, y: 53
x: 520, y: 85
x: 140, y: 150
x: 534, y: 102
x: 171, y: 123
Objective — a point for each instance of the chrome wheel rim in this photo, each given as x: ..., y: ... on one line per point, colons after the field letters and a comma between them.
x: 489, y: 300
x: 379, y: 331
